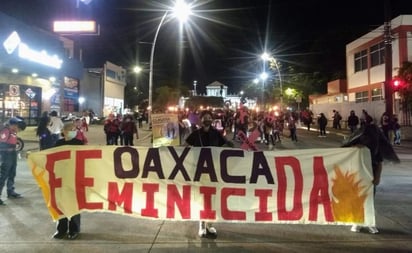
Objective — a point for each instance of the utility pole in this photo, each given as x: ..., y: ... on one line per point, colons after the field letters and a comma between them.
x: 388, y: 59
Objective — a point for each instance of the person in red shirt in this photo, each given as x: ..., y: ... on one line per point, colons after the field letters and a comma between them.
x: 8, y: 156
x: 80, y: 131
x: 129, y: 129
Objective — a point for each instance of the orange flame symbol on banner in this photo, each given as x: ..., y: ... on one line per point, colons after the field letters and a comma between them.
x: 348, y: 197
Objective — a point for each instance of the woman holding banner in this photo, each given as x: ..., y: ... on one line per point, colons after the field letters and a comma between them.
x: 371, y: 136
x: 68, y: 225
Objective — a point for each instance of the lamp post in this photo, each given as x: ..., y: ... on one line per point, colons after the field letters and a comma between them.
x: 182, y: 11
x: 263, y: 77
x: 194, y: 88
x: 273, y: 60
x: 266, y: 57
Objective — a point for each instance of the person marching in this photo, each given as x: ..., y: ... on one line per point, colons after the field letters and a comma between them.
x: 322, y: 122
x: 55, y: 126
x: 129, y: 129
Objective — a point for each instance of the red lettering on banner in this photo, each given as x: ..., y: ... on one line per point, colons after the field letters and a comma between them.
x: 227, y: 214
x: 320, y: 193
x: 82, y: 181
x: 207, y: 212
x: 183, y: 203
x: 117, y: 199
x: 53, y: 181
x: 263, y: 214
x: 150, y: 210
x: 297, y: 210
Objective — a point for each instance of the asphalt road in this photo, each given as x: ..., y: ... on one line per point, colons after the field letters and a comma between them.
x: 26, y: 226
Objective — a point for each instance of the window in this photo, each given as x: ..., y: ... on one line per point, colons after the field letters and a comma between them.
x: 377, y: 54
x: 377, y: 95
x: 361, y: 97
x: 361, y: 61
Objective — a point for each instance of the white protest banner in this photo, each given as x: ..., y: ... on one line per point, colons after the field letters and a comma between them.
x: 311, y: 186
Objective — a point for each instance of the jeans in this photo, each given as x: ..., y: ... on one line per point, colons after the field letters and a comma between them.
x: 8, y: 169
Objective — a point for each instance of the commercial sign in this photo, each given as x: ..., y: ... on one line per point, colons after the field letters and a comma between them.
x: 313, y: 186
x: 76, y: 26
x: 13, y: 43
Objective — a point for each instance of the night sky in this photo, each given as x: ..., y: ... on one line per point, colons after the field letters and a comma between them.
x: 223, y: 39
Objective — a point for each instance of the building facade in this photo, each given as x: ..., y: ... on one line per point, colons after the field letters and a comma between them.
x: 103, y: 89
x: 37, y: 72
x: 365, y: 73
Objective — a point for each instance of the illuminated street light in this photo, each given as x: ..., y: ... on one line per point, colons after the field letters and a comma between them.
x: 181, y: 11
x: 273, y: 62
x: 137, y: 69
x: 264, y: 76
x: 194, y: 88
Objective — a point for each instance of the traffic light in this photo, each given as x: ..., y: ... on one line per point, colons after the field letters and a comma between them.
x: 397, y: 84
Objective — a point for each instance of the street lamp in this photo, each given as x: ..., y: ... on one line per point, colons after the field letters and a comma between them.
x: 181, y: 10
x: 194, y: 88
x: 273, y: 62
x: 137, y: 69
x: 263, y: 77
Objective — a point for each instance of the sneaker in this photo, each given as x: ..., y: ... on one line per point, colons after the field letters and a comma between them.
x: 13, y: 195
x: 207, y: 230
x: 202, y: 229
x: 72, y: 235
x: 211, y: 230
x: 355, y: 228
x: 373, y: 230
x: 59, y: 235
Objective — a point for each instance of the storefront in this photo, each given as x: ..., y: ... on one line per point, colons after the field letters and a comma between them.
x: 36, y: 73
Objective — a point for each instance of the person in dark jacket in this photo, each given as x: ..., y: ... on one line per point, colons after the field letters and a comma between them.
x: 45, y: 136
x: 129, y: 129
x: 69, y: 226
x: 371, y: 136
x: 353, y: 121
x: 207, y: 136
x: 322, y: 122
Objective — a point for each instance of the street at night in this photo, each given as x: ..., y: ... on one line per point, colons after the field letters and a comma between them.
x: 29, y: 226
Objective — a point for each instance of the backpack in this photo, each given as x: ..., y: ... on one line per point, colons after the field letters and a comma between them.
x: 4, y: 142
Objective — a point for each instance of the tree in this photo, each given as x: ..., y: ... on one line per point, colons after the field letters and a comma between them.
x: 405, y: 74
x: 303, y: 83
x: 165, y: 97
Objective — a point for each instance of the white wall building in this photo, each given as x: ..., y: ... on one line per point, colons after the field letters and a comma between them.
x: 365, y: 73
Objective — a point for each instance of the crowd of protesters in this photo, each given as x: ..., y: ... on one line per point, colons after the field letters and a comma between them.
x: 389, y: 126
x: 120, y: 129
x: 269, y: 124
